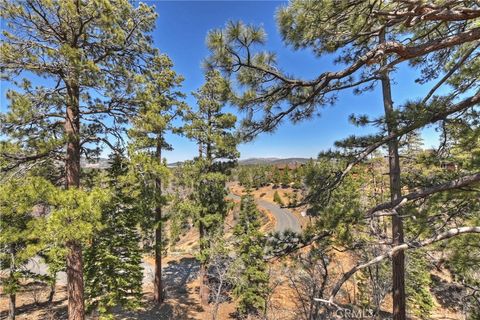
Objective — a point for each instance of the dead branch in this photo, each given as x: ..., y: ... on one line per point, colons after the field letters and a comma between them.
x: 405, y: 246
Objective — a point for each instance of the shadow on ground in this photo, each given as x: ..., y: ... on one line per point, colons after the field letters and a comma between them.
x: 179, y: 303
x: 42, y: 309
x: 181, y: 300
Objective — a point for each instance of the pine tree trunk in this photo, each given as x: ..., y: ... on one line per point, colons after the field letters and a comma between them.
x: 12, y: 297
x: 158, y: 286
x: 52, y: 291
x: 204, y: 289
x: 398, y: 259
x: 76, y: 308
x: 12, y: 306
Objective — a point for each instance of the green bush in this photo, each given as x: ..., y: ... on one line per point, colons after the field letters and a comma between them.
x: 277, y: 199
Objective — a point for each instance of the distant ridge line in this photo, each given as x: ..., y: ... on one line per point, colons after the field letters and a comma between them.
x: 254, y: 161
x: 258, y: 161
x: 103, y: 163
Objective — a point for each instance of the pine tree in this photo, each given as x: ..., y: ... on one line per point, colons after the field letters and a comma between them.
x: 276, y: 176
x: 417, y: 284
x: 20, y: 201
x: 113, y: 262
x: 160, y: 106
x: 259, y: 177
x: 211, y: 129
x: 251, y: 286
x: 244, y: 177
x: 368, y: 39
x: 285, y: 177
x: 87, y: 54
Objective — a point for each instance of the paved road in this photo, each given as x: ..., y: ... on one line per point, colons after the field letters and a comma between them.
x: 37, y: 266
x: 285, y: 219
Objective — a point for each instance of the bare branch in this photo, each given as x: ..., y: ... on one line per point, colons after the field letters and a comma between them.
x: 422, y: 193
x: 405, y: 246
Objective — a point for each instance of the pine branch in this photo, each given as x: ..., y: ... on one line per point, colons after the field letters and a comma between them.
x: 422, y: 193
x: 405, y: 246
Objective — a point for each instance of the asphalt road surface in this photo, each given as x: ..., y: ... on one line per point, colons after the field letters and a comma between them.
x: 285, y: 218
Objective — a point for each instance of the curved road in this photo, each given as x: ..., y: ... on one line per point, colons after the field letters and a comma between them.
x: 285, y: 219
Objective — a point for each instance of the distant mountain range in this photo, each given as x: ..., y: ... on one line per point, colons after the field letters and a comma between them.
x: 103, y: 163
x: 253, y: 161
x: 257, y: 161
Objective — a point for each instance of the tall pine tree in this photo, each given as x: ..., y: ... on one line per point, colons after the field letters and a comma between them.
x: 86, y: 54
x: 113, y: 262
x: 160, y: 106
x: 212, y: 129
x: 251, y: 287
x: 369, y: 41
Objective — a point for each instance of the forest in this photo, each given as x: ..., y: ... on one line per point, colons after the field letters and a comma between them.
x: 96, y: 222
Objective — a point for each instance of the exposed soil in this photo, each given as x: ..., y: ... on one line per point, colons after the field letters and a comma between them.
x: 182, y: 286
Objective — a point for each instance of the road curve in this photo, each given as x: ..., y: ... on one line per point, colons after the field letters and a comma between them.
x: 285, y: 218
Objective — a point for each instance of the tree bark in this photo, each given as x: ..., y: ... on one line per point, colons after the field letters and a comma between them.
x: 204, y: 285
x: 72, y: 133
x: 75, y: 289
x: 204, y: 289
x: 12, y: 295
x: 12, y: 306
x: 398, y: 259
x: 51, y: 295
x: 158, y: 285
x: 76, y: 308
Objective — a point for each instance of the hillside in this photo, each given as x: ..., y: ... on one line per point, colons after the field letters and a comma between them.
x: 256, y: 161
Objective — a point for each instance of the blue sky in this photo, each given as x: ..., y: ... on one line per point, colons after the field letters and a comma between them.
x: 181, y: 30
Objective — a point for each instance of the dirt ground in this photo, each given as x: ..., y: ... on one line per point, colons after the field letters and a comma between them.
x: 182, y: 285
x: 31, y: 303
